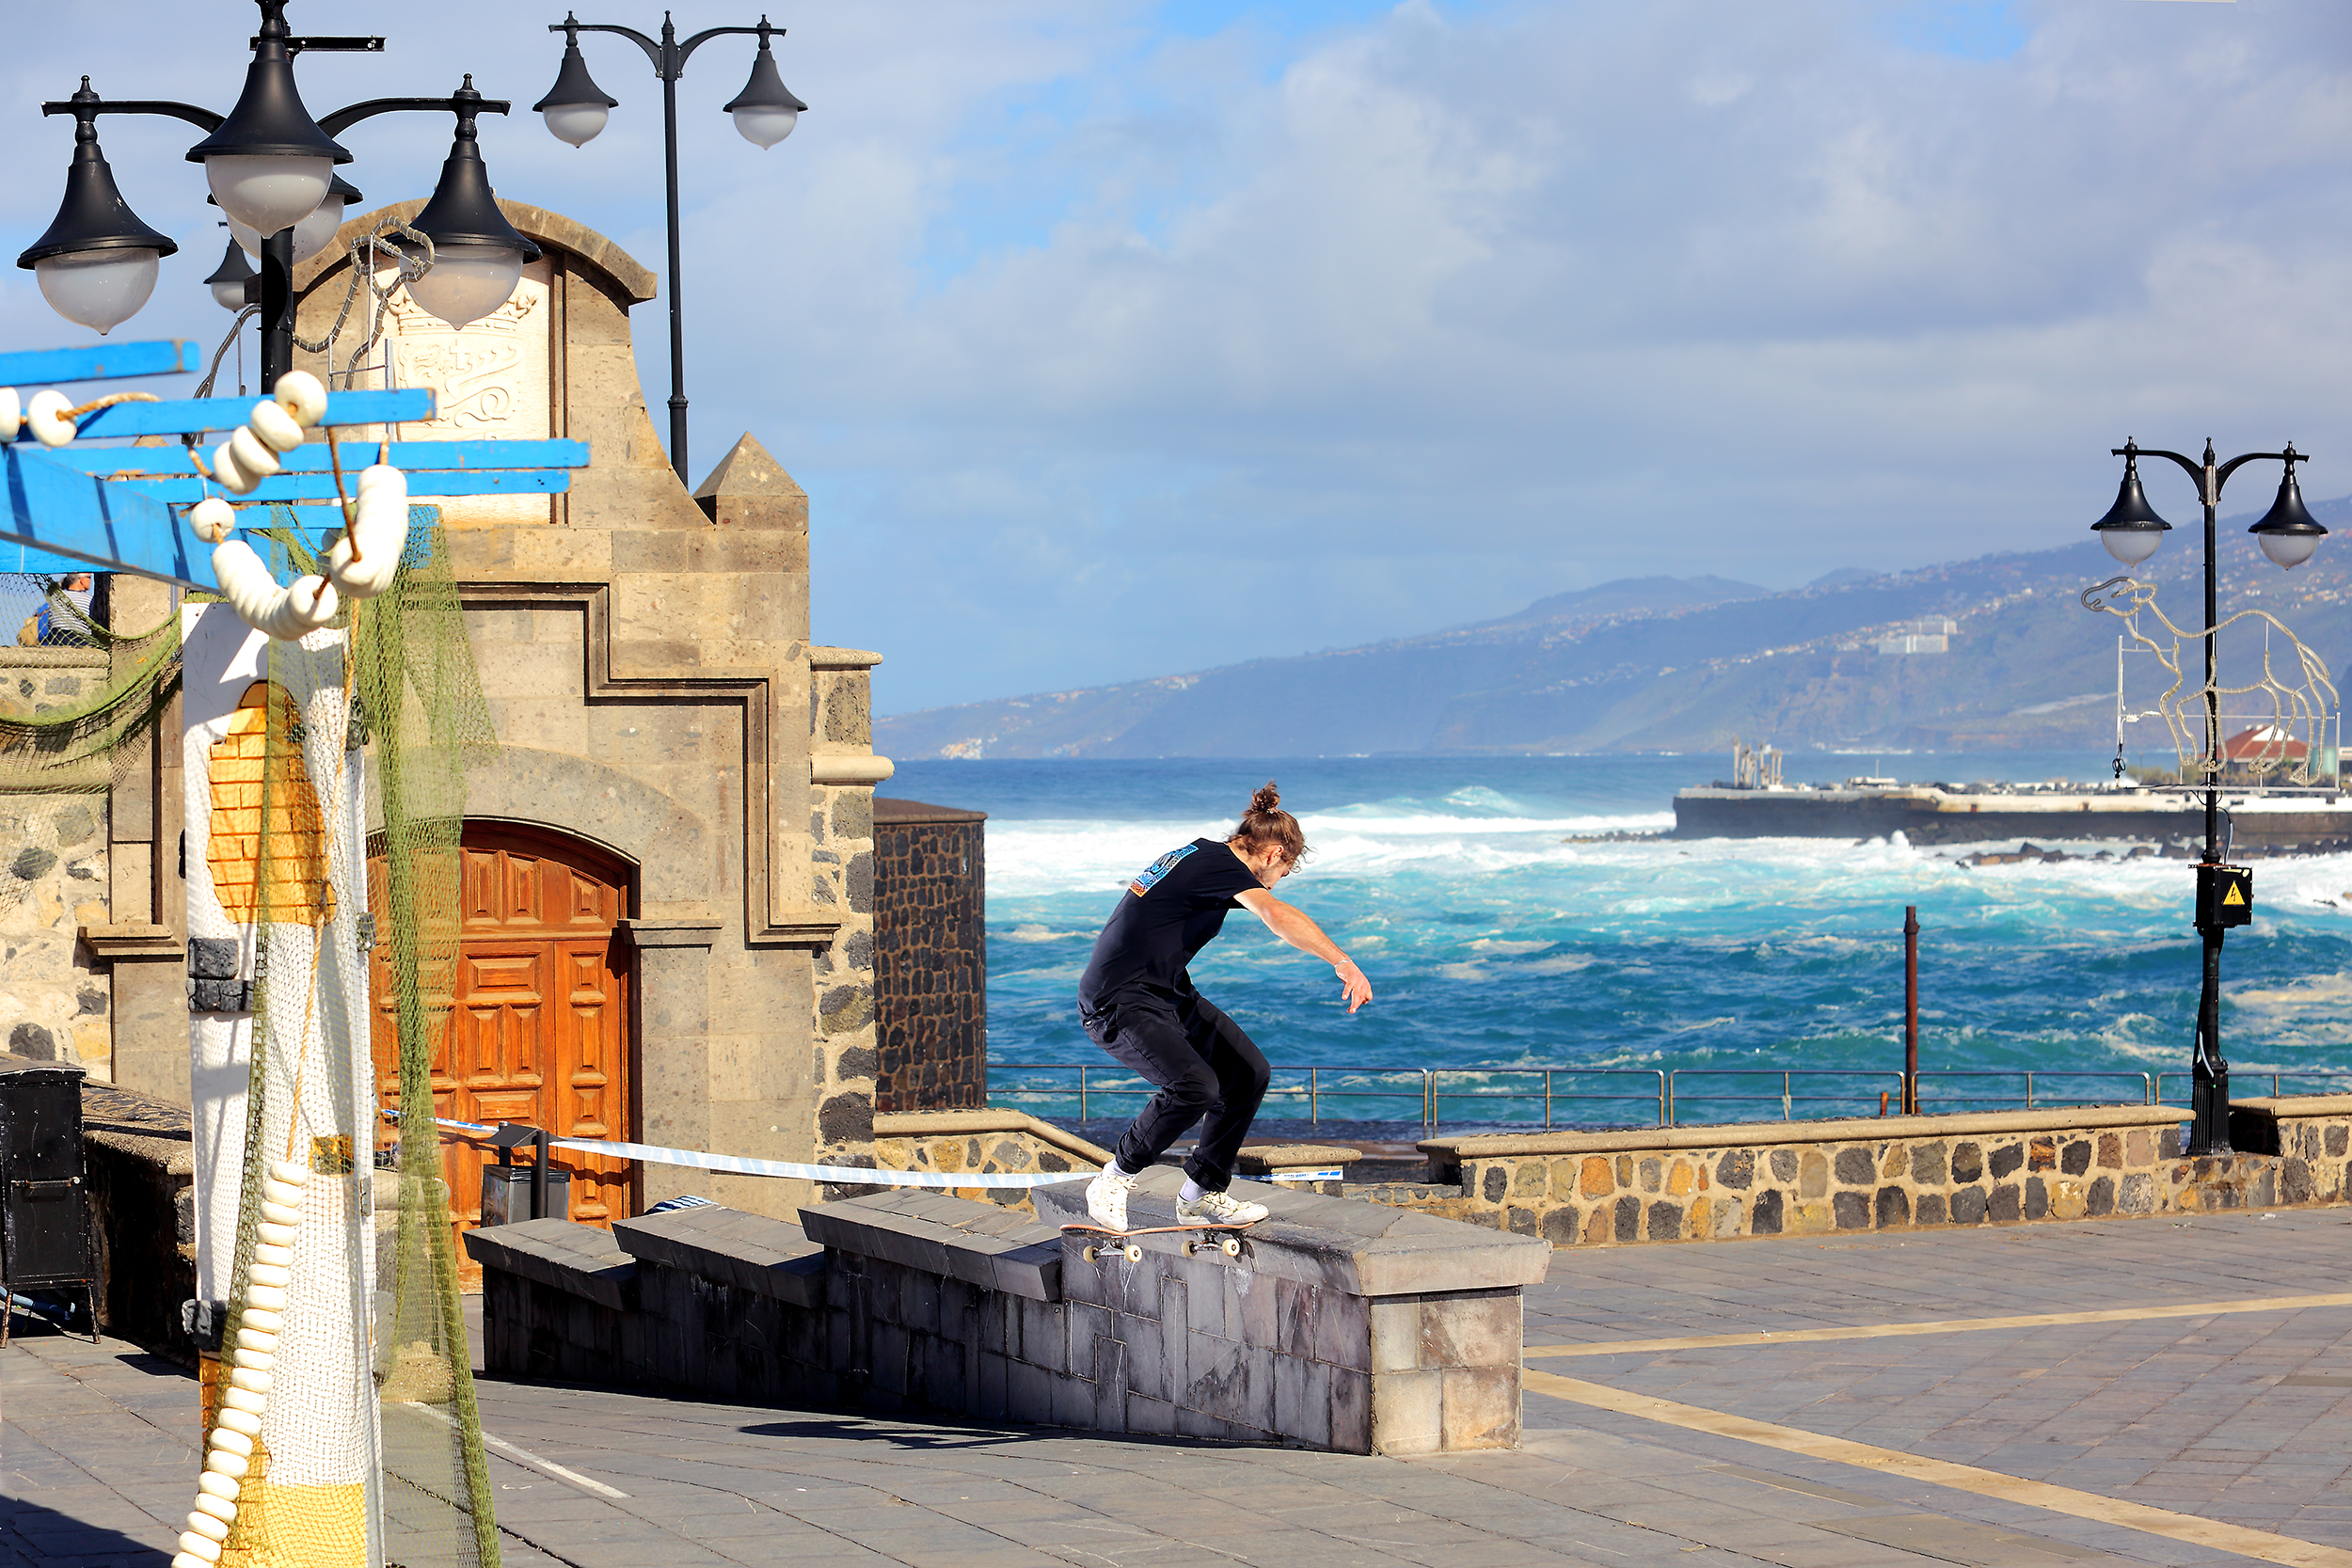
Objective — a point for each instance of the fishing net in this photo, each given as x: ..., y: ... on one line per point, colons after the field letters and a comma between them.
x: 350, y: 942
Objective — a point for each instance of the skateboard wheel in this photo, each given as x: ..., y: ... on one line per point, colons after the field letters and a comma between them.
x: 1230, y: 1245
x: 1134, y: 1252
x: 1092, y: 1254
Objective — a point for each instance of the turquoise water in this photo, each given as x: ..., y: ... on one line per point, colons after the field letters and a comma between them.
x: 1494, y: 942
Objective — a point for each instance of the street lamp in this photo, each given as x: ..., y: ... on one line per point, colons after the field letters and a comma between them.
x: 272, y: 172
x: 575, y: 109
x: 96, y: 262
x: 2131, y: 532
x: 231, y: 281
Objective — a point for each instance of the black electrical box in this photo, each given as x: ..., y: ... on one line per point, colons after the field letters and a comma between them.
x: 2225, y: 895
x: 45, y: 1237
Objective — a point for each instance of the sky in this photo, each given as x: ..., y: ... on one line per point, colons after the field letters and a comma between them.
x: 1121, y: 338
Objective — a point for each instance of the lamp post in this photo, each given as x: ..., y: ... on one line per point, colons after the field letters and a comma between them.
x: 272, y: 172
x: 2131, y: 532
x: 575, y: 109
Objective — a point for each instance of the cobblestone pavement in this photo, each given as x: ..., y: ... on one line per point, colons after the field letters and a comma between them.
x: 2212, y: 1436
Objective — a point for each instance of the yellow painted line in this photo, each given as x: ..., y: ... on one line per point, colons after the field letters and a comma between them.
x: 1947, y: 1325
x: 2209, y: 1533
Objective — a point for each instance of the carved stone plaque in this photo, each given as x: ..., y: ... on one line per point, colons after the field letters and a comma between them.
x: 491, y: 382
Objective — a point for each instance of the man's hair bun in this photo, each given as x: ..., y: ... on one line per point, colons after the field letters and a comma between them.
x: 1266, y: 822
x: 1268, y: 798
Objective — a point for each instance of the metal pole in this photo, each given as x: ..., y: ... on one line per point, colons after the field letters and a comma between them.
x: 1911, y: 1009
x: 2209, y: 1093
x: 539, y: 1174
x: 669, y: 67
x: 277, y: 308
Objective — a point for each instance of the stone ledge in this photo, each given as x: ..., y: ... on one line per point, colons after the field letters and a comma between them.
x: 770, y: 1256
x: 1263, y: 1159
x: 980, y: 1243
x: 1489, y: 1146
x: 2298, y: 1105
x: 1360, y: 1248
x: 578, y: 1259
x: 923, y: 1124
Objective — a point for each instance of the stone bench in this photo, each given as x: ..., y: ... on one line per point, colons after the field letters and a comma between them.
x: 1343, y: 1325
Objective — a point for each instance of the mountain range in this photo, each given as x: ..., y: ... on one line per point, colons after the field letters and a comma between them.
x: 1676, y: 664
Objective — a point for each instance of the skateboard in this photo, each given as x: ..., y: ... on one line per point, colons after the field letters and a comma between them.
x: 1223, y: 1238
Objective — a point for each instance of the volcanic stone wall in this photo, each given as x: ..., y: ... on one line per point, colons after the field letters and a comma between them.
x: 930, y: 957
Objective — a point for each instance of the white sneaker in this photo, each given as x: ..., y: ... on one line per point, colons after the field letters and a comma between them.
x: 1107, y: 1197
x: 1218, y: 1208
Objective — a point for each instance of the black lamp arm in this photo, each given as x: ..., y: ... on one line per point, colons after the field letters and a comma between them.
x: 2221, y: 475
x: 342, y: 119
x: 201, y: 117
x: 763, y: 31
x: 668, y: 70
x: 651, y: 46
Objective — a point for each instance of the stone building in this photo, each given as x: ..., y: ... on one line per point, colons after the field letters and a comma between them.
x: 669, y: 870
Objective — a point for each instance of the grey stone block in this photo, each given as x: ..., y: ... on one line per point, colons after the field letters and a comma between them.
x: 1395, y: 1335
x: 1487, y: 1330
x: 1407, y: 1412
x: 578, y: 1259
x: 1028, y: 1393
x: 889, y: 1352
x: 1250, y: 1314
x: 1073, y: 1402
x: 1147, y: 1363
x: 1151, y: 1417
x: 1042, y: 1335
x: 1343, y: 1330
x: 1351, y: 1410
x: 1032, y: 1268
x: 1302, y: 1400
x: 1081, y: 1325
x: 1481, y: 1407
x: 1204, y: 1300
x: 989, y: 1396
x: 1294, y: 1312
x: 1110, y: 1385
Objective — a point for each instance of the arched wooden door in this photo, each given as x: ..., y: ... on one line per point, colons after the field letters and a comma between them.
x: 539, y: 1032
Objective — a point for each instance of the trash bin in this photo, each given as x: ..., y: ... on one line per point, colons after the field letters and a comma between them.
x: 45, y: 1190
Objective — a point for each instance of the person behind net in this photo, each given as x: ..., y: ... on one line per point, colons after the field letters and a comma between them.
x: 1136, y: 1001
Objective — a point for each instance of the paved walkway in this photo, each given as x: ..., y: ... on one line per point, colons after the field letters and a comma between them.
x: 2144, y: 1391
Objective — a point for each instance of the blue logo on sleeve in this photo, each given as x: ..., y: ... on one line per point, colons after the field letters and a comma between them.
x: 1159, y: 868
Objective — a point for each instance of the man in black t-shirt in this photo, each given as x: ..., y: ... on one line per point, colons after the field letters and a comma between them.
x: 1136, y: 1001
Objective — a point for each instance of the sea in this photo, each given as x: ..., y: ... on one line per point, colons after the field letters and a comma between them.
x: 1531, y: 969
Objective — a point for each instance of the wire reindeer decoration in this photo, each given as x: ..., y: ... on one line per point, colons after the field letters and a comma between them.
x: 2191, y: 714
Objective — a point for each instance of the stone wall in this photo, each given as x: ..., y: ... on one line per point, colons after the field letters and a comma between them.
x: 55, y: 998
x: 1706, y: 1183
x: 993, y: 1140
x: 843, y: 772
x: 930, y: 957
x: 1341, y: 1326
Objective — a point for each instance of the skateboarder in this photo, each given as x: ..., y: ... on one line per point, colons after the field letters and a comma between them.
x: 1137, y: 1001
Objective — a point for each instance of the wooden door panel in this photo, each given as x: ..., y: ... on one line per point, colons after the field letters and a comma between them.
x: 538, y: 1029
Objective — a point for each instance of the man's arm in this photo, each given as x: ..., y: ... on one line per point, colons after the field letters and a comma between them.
x: 1292, y: 926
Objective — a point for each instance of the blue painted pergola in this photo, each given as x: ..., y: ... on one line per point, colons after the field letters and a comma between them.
x: 116, y: 507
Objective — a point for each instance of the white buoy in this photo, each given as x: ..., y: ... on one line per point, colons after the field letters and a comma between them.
x: 300, y: 394
x: 212, y: 519
x: 44, y: 416
x: 274, y: 427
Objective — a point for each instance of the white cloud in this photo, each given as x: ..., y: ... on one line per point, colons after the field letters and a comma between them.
x: 1108, y: 352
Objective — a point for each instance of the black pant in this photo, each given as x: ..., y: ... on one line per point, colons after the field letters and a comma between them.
x: 1202, y: 1061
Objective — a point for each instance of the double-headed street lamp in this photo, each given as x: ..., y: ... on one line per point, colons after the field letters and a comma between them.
x: 575, y: 109
x: 272, y: 172
x: 2131, y: 532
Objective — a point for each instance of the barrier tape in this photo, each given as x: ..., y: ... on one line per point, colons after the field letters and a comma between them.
x: 853, y: 1176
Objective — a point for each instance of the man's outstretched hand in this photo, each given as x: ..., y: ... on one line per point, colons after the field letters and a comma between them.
x: 1352, y: 983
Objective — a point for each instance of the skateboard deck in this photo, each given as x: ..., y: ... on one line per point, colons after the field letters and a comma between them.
x: 1223, y: 1238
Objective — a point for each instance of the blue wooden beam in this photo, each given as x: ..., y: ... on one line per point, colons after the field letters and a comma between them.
x: 319, y: 489
x: 110, y: 527
x: 410, y: 457
x: 195, y: 416
x: 98, y: 362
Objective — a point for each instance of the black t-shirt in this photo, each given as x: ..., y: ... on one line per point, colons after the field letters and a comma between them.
x: 1167, y: 914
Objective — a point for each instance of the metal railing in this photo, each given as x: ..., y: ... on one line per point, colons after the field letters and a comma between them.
x: 1788, y: 1099
x: 1426, y: 1090
x: 2242, y: 1078
x: 2144, y: 1083
x: 1670, y: 1096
